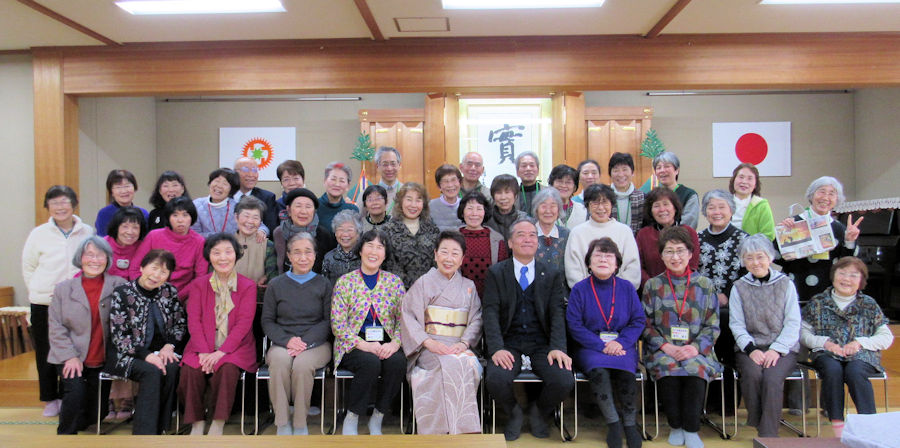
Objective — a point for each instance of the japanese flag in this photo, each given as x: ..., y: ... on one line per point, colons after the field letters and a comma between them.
x: 764, y: 144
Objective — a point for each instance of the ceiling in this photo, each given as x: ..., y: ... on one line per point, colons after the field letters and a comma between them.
x: 23, y: 27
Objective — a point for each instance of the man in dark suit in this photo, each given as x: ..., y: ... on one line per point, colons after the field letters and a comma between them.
x: 248, y: 171
x: 524, y: 314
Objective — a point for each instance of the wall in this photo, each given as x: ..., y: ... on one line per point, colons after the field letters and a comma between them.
x: 822, y: 136
x: 17, y: 153
x: 115, y: 133
x: 877, y: 143
x: 188, y: 133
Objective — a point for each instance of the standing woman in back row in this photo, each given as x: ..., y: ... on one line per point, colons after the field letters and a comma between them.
x: 752, y: 213
x: 46, y: 261
x: 120, y: 188
x: 170, y: 185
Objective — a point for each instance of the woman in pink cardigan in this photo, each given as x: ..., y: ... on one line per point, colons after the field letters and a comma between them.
x: 220, y: 313
x: 178, y: 238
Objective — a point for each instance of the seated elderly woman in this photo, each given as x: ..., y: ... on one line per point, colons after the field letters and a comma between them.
x: 765, y: 321
x: 365, y: 320
x: 148, y: 326
x: 552, y: 236
x: 78, y: 326
x: 259, y: 261
x: 216, y: 211
x: 441, y: 322
x: 220, y: 313
x: 846, y: 331
x: 682, y: 326
x: 341, y: 259
x: 296, y: 317
x: 600, y: 200
x: 484, y: 245
x: 606, y: 338
x: 412, y: 234
x: 301, y: 205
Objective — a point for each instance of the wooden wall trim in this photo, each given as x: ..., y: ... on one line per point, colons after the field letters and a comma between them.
x: 55, y: 131
x: 483, y: 65
x: 373, y: 115
x: 618, y: 113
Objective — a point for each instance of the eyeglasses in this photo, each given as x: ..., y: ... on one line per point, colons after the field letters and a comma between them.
x: 59, y: 203
x: 247, y: 169
x: 473, y: 164
x: 850, y: 275
x: 94, y: 255
x: 603, y: 256
x: 127, y: 187
x: 389, y: 164
x: 681, y: 253
x: 297, y: 179
x: 758, y: 258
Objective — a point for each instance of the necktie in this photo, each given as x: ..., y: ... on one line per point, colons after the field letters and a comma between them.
x: 523, y: 278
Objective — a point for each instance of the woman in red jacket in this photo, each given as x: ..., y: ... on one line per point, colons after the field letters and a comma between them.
x: 220, y: 313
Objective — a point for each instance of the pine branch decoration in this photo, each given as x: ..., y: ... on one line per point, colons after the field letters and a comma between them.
x: 364, y: 150
x: 652, y: 146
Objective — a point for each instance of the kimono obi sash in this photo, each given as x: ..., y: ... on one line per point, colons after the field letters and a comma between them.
x: 443, y: 321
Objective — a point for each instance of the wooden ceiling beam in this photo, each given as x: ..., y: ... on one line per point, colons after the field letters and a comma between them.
x: 67, y: 21
x: 666, y: 18
x: 367, y: 16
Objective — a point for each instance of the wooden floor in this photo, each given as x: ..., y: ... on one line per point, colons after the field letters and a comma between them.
x: 21, y: 423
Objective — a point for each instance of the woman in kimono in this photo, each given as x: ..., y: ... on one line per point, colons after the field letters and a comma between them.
x: 441, y: 321
x: 682, y: 326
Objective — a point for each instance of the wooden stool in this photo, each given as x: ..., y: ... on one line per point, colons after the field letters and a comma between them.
x: 15, y: 338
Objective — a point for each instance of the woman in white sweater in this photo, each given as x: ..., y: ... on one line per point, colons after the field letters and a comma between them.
x: 599, y: 200
x: 46, y: 261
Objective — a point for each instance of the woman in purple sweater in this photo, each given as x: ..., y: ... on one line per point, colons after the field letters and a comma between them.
x: 605, y: 319
x: 178, y: 238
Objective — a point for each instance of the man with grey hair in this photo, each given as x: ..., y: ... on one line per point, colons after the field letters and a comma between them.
x: 472, y: 168
x: 666, y: 167
x: 248, y: 172
x: 388, y: 163
x: 337, y: 182
x: 528, y: 166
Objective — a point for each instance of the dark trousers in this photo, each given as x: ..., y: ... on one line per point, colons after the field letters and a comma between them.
x: 222, y: 386
x: 682, y: 400
x: 611, y: 385
x: 48, y: 378
x: 366, y: 368
x: 79, y: 400
x: 557, y: 381
x: 156, y: 397
x: 763, y: 391
x: 855, y: 374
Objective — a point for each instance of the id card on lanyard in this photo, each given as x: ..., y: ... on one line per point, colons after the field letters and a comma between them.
x: 680, y: 332
x: 606, y: 335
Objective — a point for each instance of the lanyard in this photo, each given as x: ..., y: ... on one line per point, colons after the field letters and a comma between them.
x: 213, y: 221
x: 525, y: 198
x: 612, y: 308
x: 683, y: 300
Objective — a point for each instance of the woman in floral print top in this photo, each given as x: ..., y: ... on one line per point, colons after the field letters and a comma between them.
x: 365, y: 320
x: 682, y: 327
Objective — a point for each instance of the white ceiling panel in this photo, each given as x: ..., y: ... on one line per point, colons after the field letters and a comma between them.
x: 304, y: 19
x: 22, y: 27
x: 614, y: 17
x: 748, y: 16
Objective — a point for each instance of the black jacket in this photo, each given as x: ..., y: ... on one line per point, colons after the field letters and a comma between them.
x: 499, y: 302
x: 270, y: 217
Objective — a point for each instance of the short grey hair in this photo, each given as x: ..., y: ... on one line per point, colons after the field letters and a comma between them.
x: 825, y: 181
x: 756, y: 243
x: 717, y: 194
x: 667, y: 157
x: 345, y: 216
x: 546, y: 194
x: 339, y: 166
x: 383, y: 149
x: 518, y: 221
x: 97, y: 242
x: 301, y: 236
x: 532, y: 154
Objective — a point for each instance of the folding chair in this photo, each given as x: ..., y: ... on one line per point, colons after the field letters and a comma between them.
x: 721, y: 430
x: 639, y: 377
x: 799, y: 374
x: 881, y: 376
x: 107, y: 377
x: 527, y: 376
x: 340, y: 376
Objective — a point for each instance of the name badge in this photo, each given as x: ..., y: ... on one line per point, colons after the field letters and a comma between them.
x: 122, y: 263
x: 374, y: 334
x: 681, y: 333
x: 608, y: 336
x: 821, y: 256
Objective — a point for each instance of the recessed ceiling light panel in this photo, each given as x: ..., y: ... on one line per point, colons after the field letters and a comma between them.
x: 154, y: 7
x: 520, y: 4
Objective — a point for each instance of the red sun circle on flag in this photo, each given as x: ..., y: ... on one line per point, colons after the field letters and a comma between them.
x: 259, y: 149
x: 751, y: 148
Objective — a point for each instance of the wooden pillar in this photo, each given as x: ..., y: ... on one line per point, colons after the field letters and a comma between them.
x: 55, y: 129
x: 576, y: 129
x: 435, y: 151
x: 451, y: 129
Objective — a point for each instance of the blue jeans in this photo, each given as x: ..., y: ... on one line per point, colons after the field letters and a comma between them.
x: 855, y: 373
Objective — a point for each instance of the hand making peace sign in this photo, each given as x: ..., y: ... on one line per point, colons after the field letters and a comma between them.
x: 852, y: 231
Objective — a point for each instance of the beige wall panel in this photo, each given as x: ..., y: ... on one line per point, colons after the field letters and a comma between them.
x: 877, y: 142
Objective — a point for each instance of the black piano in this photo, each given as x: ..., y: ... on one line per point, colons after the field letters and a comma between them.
x: 878, y: 243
